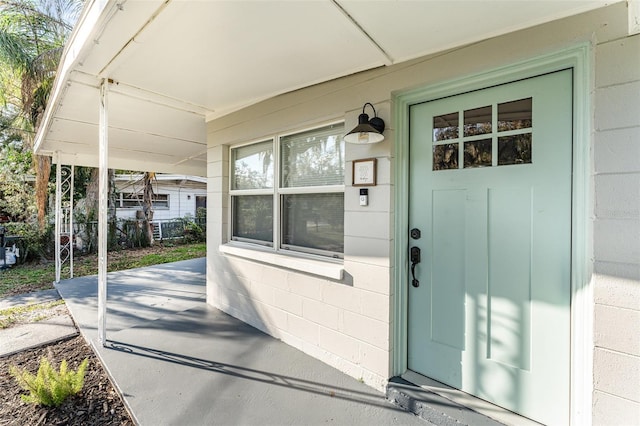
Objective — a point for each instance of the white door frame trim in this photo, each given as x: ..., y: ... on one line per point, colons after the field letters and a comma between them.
x: 578, y: 58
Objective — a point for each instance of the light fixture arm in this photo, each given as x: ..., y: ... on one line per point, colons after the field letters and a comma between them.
x: 376, y: 121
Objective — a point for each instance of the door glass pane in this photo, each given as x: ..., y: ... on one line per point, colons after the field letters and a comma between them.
x: 445, y: 156
x: 477, y: 153
x: 477, y: 121
x: 313, y: 158
x: 445, y: 127
x: 515, y: 115
x: 253, y: 217
x: 514, y: 149
x: 252, y: 166
x: 313, y: 221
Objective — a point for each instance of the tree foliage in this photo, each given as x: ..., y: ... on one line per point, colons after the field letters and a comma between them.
x: 32, y: 37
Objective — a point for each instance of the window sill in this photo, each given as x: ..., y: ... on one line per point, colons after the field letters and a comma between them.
x: 327, y: 269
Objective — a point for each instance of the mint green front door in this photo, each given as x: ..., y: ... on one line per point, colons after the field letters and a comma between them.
x: 490, y: 193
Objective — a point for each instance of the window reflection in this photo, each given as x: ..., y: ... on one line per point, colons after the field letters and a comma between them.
x: 477, y: 121
x: 314, y: 221
x: 477, y: 153
x: 253, y: 217
x: 514, y: 149
x: 445, y: 127
x: 515, y: 115
x: 445, y: 156
x: 252, y: 166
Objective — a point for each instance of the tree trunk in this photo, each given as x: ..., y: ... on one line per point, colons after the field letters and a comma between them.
x: 93, y: 196
x: 42, y: 165
x: 112, y: 195
x: 147, y: 204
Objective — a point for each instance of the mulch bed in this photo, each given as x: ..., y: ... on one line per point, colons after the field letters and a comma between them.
x: 97, y: 403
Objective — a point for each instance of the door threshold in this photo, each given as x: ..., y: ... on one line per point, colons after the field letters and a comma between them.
x: 466, y: 400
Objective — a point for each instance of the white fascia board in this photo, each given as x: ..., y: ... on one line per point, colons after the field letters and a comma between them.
x: 81, y: 38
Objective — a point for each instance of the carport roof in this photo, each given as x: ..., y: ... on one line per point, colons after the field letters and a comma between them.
x: 176, y: 64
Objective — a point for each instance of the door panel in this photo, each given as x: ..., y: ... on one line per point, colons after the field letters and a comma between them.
x: 490, y: 189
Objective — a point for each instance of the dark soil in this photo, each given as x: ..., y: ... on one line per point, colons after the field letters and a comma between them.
x: 97, y: 403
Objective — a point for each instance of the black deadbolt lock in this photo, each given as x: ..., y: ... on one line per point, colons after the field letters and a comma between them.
x: 415, y: 233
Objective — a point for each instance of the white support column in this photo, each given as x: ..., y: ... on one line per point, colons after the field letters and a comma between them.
x: 71, y: 234
x: 58, y: 216
x: 103, y: 139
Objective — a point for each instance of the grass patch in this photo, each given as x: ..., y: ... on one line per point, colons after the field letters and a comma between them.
x: 16, y: 314
x: 32, y: 277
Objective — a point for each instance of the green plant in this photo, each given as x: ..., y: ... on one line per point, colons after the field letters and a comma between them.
x: 193, y: 233
x: 50, y: 387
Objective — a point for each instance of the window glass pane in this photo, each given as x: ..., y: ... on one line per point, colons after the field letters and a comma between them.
x: 135, y: 200
x: 314, y: 221
x: 445, y: 127
x: 445, y: 156
x: 515, y: 115
x: 514, y: 149
x: 252, y: 166
x: 477, y: 153
x: 253, y: 217
x: 477, y: 121
x: 161, y: 201
x: 313, y: 158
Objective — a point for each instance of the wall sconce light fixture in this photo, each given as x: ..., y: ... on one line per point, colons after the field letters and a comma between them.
x: 367, y: 131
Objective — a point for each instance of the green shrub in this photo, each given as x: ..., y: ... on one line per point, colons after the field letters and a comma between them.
x: 193, y: 233
x: 50, y: 387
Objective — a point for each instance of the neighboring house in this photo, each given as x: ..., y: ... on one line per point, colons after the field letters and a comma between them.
x: 497, y: 250
x: 175, y: 196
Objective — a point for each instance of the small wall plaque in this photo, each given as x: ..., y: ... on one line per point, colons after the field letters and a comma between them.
x: 364, y: 172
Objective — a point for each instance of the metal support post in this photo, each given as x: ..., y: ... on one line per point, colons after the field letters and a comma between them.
x: 71, y: 231
x: 58, y: 216
x: 102, y: 212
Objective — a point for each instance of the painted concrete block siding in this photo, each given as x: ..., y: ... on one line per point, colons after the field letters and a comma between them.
x: 308, y: 312
x: 616, y: 232
x: 301, y: 309
x: 618, y: 195
x: 617, y: 151
x: 621, y: 377
x: 609, y: 334
x: 616, y: 240
x: 610, y: 410
x: 617, y: 285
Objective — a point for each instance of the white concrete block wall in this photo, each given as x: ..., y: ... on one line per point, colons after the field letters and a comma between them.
x: 616, y: 152
x: 347, y: 323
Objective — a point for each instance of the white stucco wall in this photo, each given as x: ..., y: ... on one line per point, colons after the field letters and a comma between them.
x: 347, y: 323
x: 616, y: 238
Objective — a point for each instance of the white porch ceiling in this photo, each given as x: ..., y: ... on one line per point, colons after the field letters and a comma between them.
x: 177, y: 63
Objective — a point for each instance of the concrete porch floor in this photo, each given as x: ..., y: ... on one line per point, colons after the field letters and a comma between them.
x: 178, y: 361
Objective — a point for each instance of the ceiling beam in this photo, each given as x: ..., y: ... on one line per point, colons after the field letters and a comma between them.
x: 388, y: 60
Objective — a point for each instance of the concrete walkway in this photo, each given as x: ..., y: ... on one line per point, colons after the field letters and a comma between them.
x: 178, y: 361
x: 33, y: 334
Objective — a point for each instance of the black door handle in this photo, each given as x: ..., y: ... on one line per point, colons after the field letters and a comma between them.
x: 415, y: 259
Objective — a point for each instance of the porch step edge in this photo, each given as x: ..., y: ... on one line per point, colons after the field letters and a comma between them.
x: 432, y: 407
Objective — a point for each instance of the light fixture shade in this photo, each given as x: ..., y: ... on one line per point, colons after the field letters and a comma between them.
x: 367, y: 131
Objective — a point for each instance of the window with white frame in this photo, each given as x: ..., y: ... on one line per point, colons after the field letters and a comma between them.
x: 288, y: 192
